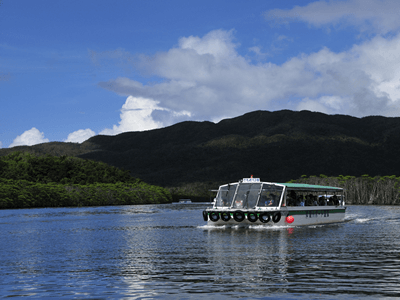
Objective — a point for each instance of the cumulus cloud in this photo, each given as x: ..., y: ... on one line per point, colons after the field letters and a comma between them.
x: 201, y: 77
x: 1, y: 145
x: 206, y: 78
x: 30, y: 137
x: 380, y: 16
x: 137, y: 115
x: 80, y: 136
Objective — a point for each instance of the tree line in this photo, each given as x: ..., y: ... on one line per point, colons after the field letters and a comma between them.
x: 63, y: 169
x: 363, y: 190
x: 28, y: 180
x: 378, y: 190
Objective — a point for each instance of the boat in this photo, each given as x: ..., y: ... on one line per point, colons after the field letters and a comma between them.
x: 185, y: 201
x: 253, y: 202
x: 188, y: 201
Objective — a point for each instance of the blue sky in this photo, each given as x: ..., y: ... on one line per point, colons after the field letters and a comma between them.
x: 73, y: 69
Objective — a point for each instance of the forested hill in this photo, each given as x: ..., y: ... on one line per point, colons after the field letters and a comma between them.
x: 65, y: 170
x: 28, y: 180
x: 275, y: 146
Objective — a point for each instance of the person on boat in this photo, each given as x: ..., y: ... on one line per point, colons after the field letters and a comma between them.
x: 225, y: 201
x: 335, y: 200
x: 291, y: 200
x: 299, y: 200
x: 263, y: 199
x: 272, y: 200
x: 322, y: 201
x: 309, y: 200
x: 239, y: 203
x: 315, y: 202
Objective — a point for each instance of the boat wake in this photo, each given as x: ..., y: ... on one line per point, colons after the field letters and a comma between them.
x: 255, y: 227
x: 363, y: 220
x: 357, y: 218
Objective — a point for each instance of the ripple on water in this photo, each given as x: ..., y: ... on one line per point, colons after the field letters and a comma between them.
x: 166, y: 251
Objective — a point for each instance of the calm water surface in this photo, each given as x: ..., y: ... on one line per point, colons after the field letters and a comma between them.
x: 167, y: 251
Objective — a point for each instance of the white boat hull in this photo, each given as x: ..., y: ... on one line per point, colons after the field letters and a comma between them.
x: 301, y: 216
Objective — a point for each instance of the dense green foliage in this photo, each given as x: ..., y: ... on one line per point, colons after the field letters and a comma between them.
x: 24, y: 194
x: 196, y: 191
x: 64, y: 169
x: 52, y: 148
x: 381, y: 190
x: 27, y: 180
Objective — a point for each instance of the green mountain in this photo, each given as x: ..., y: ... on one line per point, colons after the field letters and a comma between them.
x: 275, y: 146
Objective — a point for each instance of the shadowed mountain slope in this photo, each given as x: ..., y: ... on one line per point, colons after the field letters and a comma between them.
x: 275, y: 146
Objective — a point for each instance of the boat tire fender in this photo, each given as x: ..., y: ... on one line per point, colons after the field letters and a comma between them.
x: 238, y: 216
x: 225, y: 216
x: 276, y: 217
x: 205, y: 215
x: 252, y: 217
x: 264, y: 217
x: 214, y: 216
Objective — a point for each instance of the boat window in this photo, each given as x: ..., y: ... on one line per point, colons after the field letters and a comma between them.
x: 270, y: 195
x: 311, y: 198
x: 225, y: 195
x: 247, y: 195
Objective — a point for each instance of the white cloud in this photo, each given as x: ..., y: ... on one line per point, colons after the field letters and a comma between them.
x: 312, y: 105
x: 380, y: 16
x: 1, y: 145
x: 258, y: 52
x: 137, y: 115
x: 324, y: 104
x: 207, y: 78
x: 80, y: 136
x: 201, y: 76
x: 30, y: 137
x: 217, y: 43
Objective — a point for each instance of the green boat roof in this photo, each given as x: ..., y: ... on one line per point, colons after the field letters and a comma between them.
x: 311, y: 187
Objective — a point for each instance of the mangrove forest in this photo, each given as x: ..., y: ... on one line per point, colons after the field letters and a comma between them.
x: 28, y: 180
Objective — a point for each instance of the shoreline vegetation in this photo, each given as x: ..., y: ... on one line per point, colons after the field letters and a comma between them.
x: 28, y: 181
x: 364, y: 190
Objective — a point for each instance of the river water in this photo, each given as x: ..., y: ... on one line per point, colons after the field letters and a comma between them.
x: 168, y: 252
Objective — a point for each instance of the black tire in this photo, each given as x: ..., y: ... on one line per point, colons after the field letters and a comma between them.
x: 264, y: 217
x: 252, y: 217
x: 225, y: 216
x: 205, y: 215
x: 214, y: 216
x: 238, y: 216
x: 277, y: 217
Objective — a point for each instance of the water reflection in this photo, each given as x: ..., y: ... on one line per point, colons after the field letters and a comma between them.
x: 341, y: 258
x: 166, y: 250
x: 245, y: 259
x: 161, y: 257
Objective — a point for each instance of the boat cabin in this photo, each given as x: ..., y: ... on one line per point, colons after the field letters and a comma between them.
x: 251, y: 193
